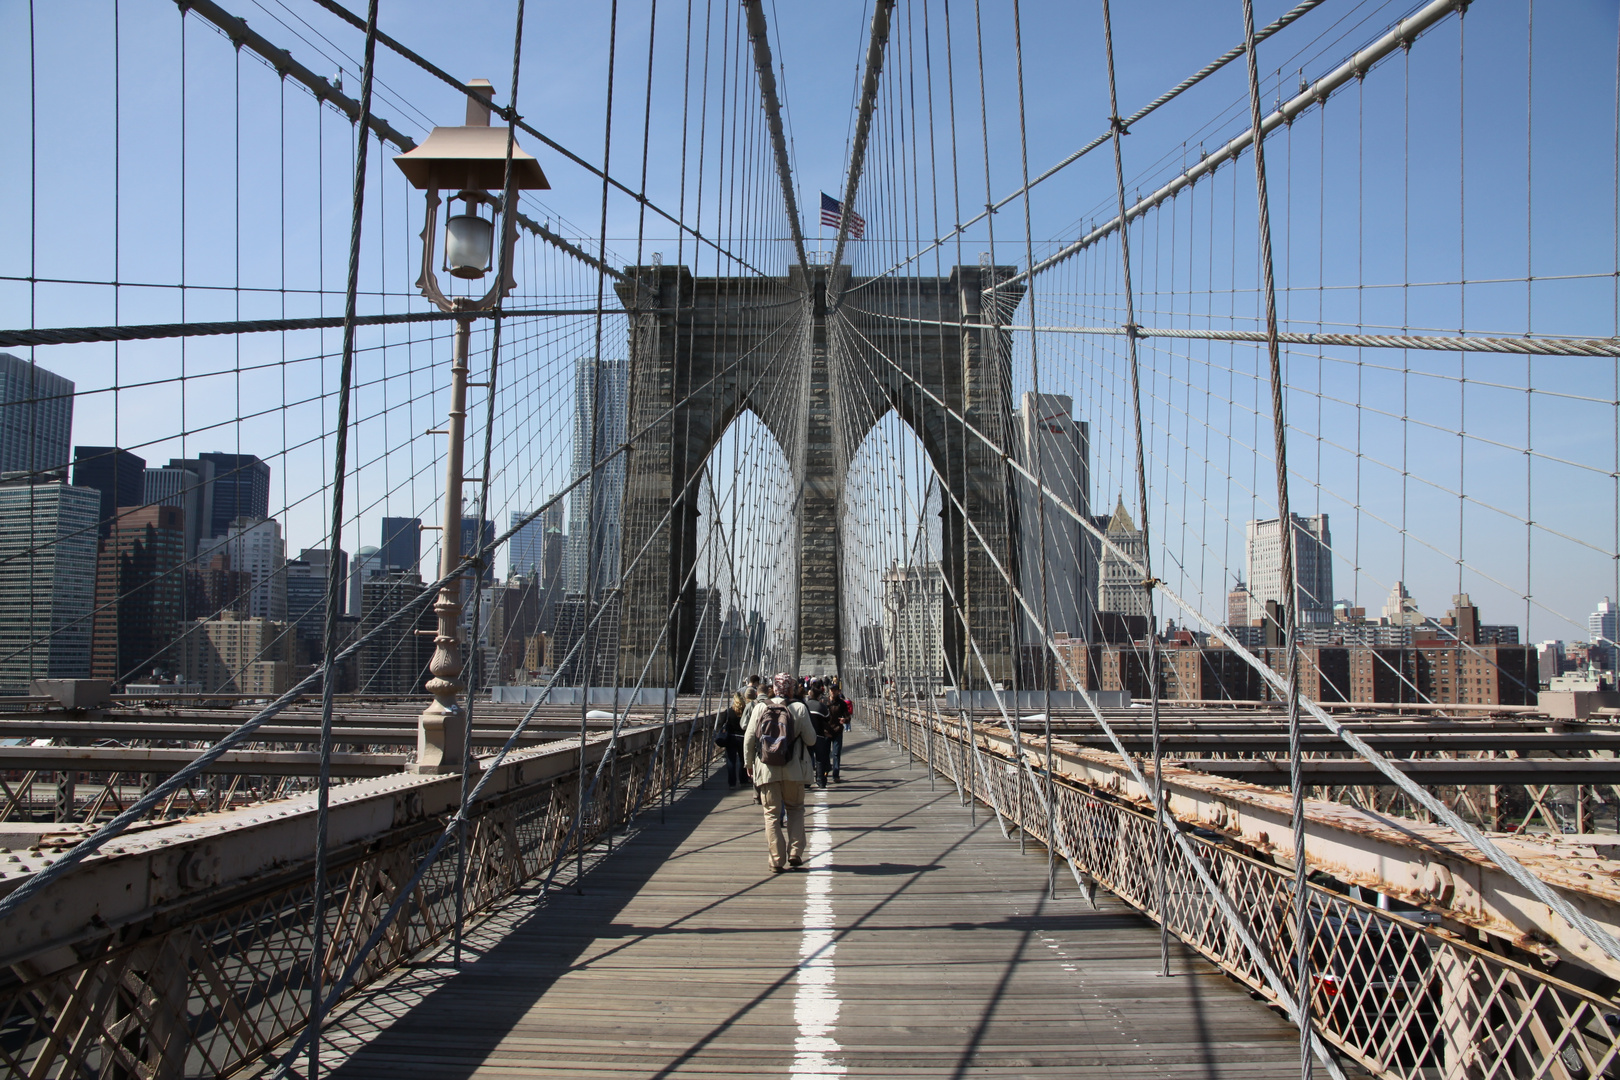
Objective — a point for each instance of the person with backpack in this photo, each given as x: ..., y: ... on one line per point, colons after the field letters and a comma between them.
x: 837, y: 719
x: 816, y: 704
x: 849, y: 706
x: 776, y: 750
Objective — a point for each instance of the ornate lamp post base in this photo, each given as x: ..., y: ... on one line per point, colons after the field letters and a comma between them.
x: 440, y: 740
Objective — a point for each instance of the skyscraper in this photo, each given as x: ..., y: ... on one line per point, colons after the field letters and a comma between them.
x: 140, y: 586
x: 1400, y: 609
x: 1313, y: 566
x: 321, y: 560
x: 237, y: 655
x: 241, y: 488
x: 598, y: 624
x: 475, y: 536
x: 1119, y: 583
x: 254, y: 545
x: 401, y: 547
x: 36, y: 417
x: 595, y: 507
x: 213, y: 586
x: 556, y: 548
x: 306, y: 598
x: 1603, y: 630
x: 913, y: 622
x: 395, y: 661
x: 367, y: 565
x: 1061, y: 459
x: 47, y: 590
x: 708, y: 665
x: 526, y: 551
x: 1237, y: 605
x: 119, y: 475
x: 180, y: 484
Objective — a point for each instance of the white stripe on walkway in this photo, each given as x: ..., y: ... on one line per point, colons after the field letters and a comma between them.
x: 815, y: 1003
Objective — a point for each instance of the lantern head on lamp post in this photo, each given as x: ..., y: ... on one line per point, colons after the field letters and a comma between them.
x: 470, y: 162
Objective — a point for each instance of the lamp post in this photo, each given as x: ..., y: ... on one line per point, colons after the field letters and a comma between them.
x: 471, y: 162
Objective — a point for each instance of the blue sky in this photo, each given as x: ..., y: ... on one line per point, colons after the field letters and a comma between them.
x: 1422, y: 172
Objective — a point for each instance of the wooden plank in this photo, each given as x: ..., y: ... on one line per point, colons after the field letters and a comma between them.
x: 940, y: 956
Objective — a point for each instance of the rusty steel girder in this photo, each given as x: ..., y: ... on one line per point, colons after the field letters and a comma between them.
x: 1404, y: 997
x: 170, y: 867
x: 1425, y: 865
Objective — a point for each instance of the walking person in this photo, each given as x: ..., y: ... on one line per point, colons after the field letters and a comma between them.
x: 776, y: 750
x: 732, y: 732
x: 837, y: 720
x: 815, y: 702
x: 849, y: 706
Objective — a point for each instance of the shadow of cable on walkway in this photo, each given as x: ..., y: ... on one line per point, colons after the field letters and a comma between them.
x: 457, y: 1024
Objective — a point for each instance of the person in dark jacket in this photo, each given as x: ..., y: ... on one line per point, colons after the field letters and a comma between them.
x: 733, y: 721
x: 837, y: 717
x: 815, y: 700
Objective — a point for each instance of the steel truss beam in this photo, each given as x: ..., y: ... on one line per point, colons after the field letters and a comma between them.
x: 1427, y: 865
x: 142, y: 871
x: 160, y: 760
x: 1403, y: 993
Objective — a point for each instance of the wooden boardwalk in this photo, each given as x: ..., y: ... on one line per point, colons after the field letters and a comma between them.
x: 916, y: 945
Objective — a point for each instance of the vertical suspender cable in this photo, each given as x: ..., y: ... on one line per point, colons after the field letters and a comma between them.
x: 965, y: 619
x: 994, y: 318
x: 1285, y: 536
x: 594, y: 488
x: 334, y: 576
x: 1117, y: 129
x: 1037, y: 429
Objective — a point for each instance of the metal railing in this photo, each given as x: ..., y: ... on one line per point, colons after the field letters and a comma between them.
x: 1399, y: 998
x: 221, y: 979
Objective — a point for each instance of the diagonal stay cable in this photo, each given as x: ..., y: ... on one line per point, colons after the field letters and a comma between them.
x: 406, y: 891
x: 137, y: 810
x: 510, y: 115
x: 1235, y: 919
x: 334, y: 576
x: 1444, y: 814
x: 243, y: 37
x: 1399, y: 36
x: 863, y: 124
x: 1165, y: 98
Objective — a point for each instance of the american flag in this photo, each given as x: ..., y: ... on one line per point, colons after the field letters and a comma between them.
x: 832, y: 211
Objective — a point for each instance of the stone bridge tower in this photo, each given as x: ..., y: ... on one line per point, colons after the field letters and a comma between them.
x: 819, y: 360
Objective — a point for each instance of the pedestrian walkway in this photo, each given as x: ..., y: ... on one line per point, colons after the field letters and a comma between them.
x: 914, y: 944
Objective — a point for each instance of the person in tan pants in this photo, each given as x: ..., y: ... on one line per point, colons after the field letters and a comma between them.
x: 781, y: 787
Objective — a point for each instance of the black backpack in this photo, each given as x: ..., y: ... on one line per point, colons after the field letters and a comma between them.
x: 776, y: 735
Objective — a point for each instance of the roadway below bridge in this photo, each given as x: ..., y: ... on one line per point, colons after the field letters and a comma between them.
x: 919, y: 942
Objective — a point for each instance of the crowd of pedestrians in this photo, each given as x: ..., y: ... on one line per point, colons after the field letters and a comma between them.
x: 780, y: 737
